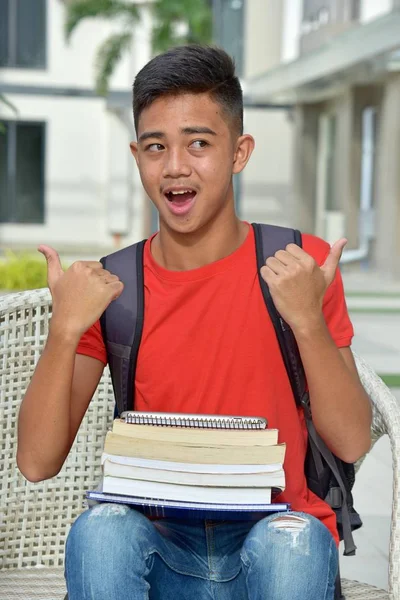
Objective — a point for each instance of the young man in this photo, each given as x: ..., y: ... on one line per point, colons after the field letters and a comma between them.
x: 208, y: 346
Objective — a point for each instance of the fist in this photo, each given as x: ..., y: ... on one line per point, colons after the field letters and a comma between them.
x: 298, y: 284
x: 80, y: 294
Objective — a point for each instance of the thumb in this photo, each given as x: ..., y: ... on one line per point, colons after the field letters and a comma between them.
x: 332, y: 260
x: 54, y: 268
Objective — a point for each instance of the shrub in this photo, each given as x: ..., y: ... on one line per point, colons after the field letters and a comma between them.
x: 22, y: 271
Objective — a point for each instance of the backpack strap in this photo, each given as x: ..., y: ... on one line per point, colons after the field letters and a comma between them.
x: 122, y: 322
x: 269, y: 239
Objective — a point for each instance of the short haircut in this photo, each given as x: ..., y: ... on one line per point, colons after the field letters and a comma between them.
x: 192, y: 69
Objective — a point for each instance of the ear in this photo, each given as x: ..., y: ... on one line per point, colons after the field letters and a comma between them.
x: 244, y: 148
x: 134, y: 149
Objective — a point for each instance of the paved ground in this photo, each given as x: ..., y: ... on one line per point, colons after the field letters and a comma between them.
x: 374, y: 306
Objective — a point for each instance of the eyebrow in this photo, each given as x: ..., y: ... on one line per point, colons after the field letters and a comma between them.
x: 195, y: 130
x: 159, y: 135
x: 151, y: 134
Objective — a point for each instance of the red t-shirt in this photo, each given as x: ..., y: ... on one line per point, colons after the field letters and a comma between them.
x: 209, y: 346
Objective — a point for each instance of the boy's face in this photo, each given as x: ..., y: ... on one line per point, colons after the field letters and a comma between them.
x: 187, y: 151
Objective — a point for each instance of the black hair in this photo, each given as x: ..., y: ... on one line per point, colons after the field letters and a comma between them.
x: 190, y: 69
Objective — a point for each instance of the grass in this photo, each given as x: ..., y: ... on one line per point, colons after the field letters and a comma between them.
x: 375, y: 310
x: 360, y: 294
x: 392, y: 380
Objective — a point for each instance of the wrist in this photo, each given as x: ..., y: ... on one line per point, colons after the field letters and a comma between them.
x: 63, y: 333
x: 309, y: 328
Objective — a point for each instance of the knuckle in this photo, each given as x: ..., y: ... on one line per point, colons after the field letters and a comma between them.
x: 77, y: 265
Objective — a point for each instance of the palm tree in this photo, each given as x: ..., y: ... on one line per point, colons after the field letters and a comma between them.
x: 175, y: 22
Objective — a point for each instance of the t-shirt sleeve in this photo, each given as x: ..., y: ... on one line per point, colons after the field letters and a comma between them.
x: 92, y: 343
x: 334, y: 306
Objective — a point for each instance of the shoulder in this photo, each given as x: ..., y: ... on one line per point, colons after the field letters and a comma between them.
x: 315, y: 247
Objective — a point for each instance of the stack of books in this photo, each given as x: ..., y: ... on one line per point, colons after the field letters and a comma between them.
x: 192, y: 465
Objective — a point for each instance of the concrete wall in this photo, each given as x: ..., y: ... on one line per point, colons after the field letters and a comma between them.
x: 292, y: 15
x: 266, y: 182
x: 373, y: 9
x: 387, y: 245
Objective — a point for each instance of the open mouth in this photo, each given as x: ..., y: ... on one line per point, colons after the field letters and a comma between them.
x: 180, y: 201
x: 180, y: 196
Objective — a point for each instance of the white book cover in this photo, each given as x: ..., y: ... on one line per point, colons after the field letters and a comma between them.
x: 170, y: 491
x: 262, y: 479
x: 166, y: 465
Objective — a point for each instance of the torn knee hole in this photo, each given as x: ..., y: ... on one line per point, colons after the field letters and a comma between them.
x: 292, y: 522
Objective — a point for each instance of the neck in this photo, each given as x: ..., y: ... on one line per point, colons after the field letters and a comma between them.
x: 185, y: 251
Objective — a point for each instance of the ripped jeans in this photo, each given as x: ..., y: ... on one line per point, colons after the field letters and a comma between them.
x: 115, y: 553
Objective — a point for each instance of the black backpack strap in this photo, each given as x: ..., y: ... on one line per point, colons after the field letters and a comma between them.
x: 122, y: 322
x: 269, y: 239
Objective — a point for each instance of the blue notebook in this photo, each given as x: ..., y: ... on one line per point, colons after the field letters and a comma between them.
x: 190, y: 510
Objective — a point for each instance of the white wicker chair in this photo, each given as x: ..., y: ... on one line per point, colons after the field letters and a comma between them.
x: 35, y: 518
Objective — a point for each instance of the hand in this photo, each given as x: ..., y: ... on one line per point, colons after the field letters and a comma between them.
x: 81, y: 294
x: 298, y: 284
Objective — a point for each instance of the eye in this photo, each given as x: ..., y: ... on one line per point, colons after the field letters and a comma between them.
x: 197, y: 144
x: 154, y: 147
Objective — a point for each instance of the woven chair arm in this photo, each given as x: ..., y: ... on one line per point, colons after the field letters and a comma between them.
x: 386, y: 420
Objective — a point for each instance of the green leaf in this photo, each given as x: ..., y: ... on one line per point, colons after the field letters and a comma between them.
x: 109, y: 53
x: 178, y: 22
x: 78, y: 10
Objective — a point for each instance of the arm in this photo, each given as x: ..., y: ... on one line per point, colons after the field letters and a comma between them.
x: 63, y: 383
x: 341, y: 408
x: 53, y: 407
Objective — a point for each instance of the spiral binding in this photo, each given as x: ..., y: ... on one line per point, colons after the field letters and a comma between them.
x: 196, y: 422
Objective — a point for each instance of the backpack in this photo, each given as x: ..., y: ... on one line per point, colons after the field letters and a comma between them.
x: 122, y: 324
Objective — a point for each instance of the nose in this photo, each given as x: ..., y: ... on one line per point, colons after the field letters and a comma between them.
x: 176, y: 163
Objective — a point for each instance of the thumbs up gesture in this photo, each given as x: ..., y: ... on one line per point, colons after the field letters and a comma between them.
x: 80, y: 294
x: 298, y: 284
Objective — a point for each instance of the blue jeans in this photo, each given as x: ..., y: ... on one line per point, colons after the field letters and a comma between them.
x: 113, y: 552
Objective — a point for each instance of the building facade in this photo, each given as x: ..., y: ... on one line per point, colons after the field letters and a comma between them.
x: 251, y: 32
x: 66, y: 174
x: 67, y: 177
x: 340, y: 71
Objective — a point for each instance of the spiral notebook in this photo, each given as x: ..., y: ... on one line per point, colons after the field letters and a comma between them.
x: 165, y: 419
x: 157, y: 508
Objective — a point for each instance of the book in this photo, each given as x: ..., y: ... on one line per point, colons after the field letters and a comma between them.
x: 195, y: 436
x: 192, y: 510
x: 186, y: 493
x: 179, y: 452
x: 194, y: 474
x: 193, y: 462
x: 193, y: 420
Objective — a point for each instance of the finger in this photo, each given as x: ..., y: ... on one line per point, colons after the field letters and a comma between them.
x: 275, y: 265
x: 285, y: 257
x: 54, y: 268
x: 116, y: 288
x: 268, y: 275
x: 295, y: 251
x: 111, y: 278
x: 332, y: 260
x: 93, y: 264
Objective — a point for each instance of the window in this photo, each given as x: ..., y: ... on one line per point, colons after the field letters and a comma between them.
x: 22, y: 173
x: 229, y: 18
x: 23, y: 33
